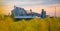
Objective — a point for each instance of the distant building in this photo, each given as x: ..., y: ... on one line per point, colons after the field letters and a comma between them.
x: 43, y: 14
x: 18, y: 12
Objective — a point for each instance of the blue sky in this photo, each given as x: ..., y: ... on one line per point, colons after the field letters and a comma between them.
x: 31, y: 2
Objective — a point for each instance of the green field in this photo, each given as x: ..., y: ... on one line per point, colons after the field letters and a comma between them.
x: 36, y: 24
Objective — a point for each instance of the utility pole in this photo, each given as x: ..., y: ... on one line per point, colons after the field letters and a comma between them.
x: 55, y: 11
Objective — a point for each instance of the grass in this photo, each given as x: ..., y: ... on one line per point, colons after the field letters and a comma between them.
x: 36, y: 24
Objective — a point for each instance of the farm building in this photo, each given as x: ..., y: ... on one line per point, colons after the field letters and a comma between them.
x: 18, y: 12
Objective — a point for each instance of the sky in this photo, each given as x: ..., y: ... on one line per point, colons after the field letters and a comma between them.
x: 36, y: 5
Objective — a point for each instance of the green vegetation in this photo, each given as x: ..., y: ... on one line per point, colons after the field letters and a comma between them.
x: 36, y: 24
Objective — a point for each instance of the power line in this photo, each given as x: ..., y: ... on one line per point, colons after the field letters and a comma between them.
x: 55, y: 9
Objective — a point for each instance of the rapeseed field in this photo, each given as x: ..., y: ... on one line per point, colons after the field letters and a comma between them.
x: 8, y: 23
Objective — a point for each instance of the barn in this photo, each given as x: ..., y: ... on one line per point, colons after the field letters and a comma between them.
x: 19, y: 12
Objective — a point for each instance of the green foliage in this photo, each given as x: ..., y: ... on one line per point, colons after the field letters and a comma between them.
x: 36, y: 24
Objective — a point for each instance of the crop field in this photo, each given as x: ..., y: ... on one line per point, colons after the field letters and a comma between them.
x: 36, y: 24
